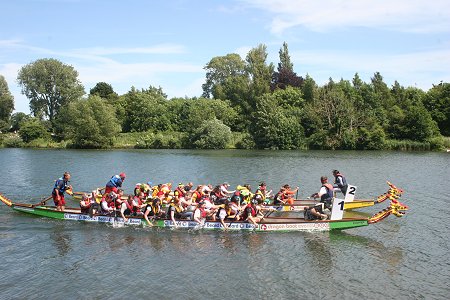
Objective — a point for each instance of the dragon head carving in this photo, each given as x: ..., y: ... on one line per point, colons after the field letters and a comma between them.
x: 396, y: 208
x: 393, y: 193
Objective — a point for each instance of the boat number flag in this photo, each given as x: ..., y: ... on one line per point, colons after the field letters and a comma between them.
x: 337, y: 210
x: 351, y: 191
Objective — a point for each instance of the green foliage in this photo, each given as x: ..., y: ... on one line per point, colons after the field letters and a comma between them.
x: 104, y: 90
x: 145, y: 110
x: 437, y: 102
x: 285, y: 75
x: 33, y: 129
x: 203, y: 109
x: 161, y: 140
x: 243, y: 141
x: 274, y: 127
x: 13, y: 141
x: 211, y: 134
x: 220, y: 71
x: 418, y: 124
x: 4, y: 126
x: 89, y: 123
x: 408, y: 145
x: 260, y: 72
x: 17, y: 119
x: 371, y: 139
x: 6, y: 104
x: 49, y: 85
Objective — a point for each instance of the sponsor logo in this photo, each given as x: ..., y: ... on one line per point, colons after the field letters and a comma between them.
x: 100, y: 219
x: 299, y: 227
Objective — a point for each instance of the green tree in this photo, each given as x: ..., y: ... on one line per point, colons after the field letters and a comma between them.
x: 17, y: 119
x: 104, y: 90
x: 6, y: 104
x: 33, y: 129
x: 273, y: 126
x: 49, y: 85
x: 437, y: 102
x: 145, y: 110
x: 89, y: 123
x: 309, y: 89
x: 211, y: 134
x: 220, y: 72
x: 285, y: 75
x: 260, y: 73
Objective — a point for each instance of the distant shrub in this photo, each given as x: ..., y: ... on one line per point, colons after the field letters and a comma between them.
x: 13, y: 141
x: 33, y: 129
x: 211, y: 134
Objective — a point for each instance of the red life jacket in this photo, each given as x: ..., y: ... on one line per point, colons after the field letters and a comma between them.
x: 199, y: 196
x: 202, y: 212
x: 245, y: 213
x: 131, y: 207
x: 180, y: 192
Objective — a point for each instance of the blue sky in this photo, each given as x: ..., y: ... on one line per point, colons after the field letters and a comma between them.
x: 168, y: 42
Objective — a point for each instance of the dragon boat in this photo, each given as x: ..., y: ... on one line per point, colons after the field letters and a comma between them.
x: 300, y: 204
x: 268, y: 223
x: 350, y: 203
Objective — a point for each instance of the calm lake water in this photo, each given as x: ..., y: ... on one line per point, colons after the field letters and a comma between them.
x: 403, y: 258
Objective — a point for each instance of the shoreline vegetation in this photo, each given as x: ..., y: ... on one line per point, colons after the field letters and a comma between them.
x: 246, y: 104
x: 132, y: 141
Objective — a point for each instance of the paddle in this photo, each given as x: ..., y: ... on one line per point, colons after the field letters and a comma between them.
x: 115, y: 224
x: 45, y: 200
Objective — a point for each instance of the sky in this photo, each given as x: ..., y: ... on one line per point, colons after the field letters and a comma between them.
x: 167, y: 43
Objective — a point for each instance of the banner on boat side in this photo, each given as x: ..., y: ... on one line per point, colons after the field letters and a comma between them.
x: 209, y: 225
x: 296, y: 227
x: 100, y: 219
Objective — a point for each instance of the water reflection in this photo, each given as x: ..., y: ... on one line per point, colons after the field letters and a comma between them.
x: 318, y: 246
x: 62, y: 240
x: 393, y: 256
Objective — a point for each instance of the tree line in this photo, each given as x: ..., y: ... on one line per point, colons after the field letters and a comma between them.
x: 246, y: 103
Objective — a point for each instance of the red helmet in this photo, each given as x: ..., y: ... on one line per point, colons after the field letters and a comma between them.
x: 122, y: 175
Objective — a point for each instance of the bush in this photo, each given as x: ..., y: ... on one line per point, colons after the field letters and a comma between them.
x: 212, y: 134
x: 13, y: 141
x: 162, y: 140
x: 244, y: 141
x: 33, y: 129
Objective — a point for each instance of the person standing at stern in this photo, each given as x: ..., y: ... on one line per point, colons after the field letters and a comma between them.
x: 61, y: 186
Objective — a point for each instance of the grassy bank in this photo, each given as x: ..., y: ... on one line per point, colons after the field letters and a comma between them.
x: 176, y: 140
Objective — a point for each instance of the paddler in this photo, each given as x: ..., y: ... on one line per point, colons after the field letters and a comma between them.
x: 315, y: 212
x: 85, y: 203
x: 340, y: 182
x: 224, y: 192
x: 153, y: 209
x: 197, y: 194
x: 200, y: 213
x: 61, y: 186
x: 114, y: 183
x: 289, y: 194
x: 326, y: 193
x: 262, y: 191
x: 252, y: 212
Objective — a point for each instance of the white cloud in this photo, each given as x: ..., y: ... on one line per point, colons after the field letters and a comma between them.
x: 400, y: 15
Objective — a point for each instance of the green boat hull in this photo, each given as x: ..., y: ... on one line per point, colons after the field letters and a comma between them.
x: 266, y: 225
